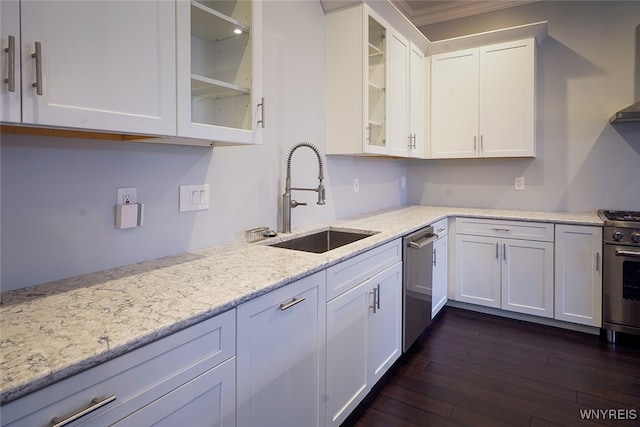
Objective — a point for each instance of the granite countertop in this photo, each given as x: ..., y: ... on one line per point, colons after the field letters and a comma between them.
x: 54, y: 330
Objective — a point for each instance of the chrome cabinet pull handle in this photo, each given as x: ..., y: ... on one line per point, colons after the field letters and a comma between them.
x: 435, y: 258
x: 38, y: 57
x: 475, y: 143
x: 376, y: 299
x: 481, y: 142
x: 97, y: 404
x: 504, y: 251
x: 506, y: 230
x: 291, y: 303
x: 11, y: 77
x: 261, y: 105
x: 597, y: 261
x: 497, y: 251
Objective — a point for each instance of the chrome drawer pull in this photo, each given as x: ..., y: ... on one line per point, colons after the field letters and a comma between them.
x: 291, y: 303
x: 506, y: 230
x: 97, y: 404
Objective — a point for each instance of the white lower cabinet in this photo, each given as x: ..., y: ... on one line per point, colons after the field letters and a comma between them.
x: 280, y: 358
x: 364, y: 327
x: 208, y: 400
x: 514, y: 274
x: 190, y: 375
x: 578, y: 274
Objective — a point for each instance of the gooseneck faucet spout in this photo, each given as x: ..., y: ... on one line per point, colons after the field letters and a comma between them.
x: 287, y: 202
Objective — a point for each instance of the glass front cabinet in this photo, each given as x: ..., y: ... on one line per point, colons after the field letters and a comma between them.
x: 219, y: 70
x: 376, y: 129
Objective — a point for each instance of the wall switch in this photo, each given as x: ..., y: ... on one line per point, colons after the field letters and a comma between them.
x: 519, y: 183
x: 403, y: 182
x: 356, y: 185
x: 126, y: 196
x: 194, y: 198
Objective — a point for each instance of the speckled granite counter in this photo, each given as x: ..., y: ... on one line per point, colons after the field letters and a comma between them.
x: 51, y: 331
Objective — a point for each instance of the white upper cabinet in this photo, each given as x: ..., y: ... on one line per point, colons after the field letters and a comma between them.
x: 406, y: 97
x: 454, y: 104
x: 219, y: 70
x: 99, y: 65
x: 483, y: 101
x: 371, y: 68
x: 417, y: 99
x: 10, y: 63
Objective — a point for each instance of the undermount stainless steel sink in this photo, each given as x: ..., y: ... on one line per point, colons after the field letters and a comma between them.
x: 323, y: 241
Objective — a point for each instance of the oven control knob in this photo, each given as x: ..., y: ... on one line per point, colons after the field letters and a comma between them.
x: 635, y: 237
x: 617, y: 236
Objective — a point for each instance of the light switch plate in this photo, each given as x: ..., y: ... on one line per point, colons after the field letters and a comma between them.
x: 194, y: 198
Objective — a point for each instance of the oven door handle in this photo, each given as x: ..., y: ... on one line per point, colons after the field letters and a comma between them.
x: 423, y: 242
x: 627, y: 253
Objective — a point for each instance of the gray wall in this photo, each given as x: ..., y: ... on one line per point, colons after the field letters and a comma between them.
x: 588, y: 68
x: 58, y: 195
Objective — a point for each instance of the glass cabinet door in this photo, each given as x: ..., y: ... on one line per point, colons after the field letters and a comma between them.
x: 376, y: 80
x: 220, y: 57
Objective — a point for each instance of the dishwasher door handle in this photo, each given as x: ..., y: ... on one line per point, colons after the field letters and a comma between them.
x: 419, y: 244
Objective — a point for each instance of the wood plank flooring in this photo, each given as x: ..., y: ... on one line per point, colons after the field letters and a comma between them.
x: 478, y: 370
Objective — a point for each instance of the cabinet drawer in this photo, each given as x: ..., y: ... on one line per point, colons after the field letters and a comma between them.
x: 135, y: 378
x: 441, y: 227
x: 344, y: 276
x: 506, y: 229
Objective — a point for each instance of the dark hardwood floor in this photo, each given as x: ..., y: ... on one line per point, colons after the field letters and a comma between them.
x: 480, y: 370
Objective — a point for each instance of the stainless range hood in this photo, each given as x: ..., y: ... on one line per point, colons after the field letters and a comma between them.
x: 627, y: 115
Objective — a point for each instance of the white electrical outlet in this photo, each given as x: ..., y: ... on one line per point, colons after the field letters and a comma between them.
x: 356, y: 185
x: 519, y: 183
x: 126, y: 196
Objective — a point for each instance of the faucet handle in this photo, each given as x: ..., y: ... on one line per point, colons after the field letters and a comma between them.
x: 295, y: 203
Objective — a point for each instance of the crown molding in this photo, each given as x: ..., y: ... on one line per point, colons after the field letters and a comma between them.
x: 453, y: 10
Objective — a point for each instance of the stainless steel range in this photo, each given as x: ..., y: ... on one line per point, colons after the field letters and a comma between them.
x: 621, y: 273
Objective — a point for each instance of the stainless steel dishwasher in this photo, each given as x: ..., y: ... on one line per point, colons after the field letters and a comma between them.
x: 417, y: 256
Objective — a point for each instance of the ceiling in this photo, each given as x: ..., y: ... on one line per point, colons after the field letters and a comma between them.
x: 425, y: 12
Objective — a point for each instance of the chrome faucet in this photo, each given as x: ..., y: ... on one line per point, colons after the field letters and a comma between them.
x: 287, y: 202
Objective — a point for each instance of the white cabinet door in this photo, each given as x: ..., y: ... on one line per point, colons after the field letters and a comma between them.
x: 507, y: 99
x: 219, y: 70
x: 105, y: 65
x: 578, y: 274
x: 400, y: 141
x: 208, y: 400
x: 364, y: 327
x: 346, y: 346
x: 280, y: 336
x: 454, y: 104
x: 477, y: 270
x: 440, y: 275
x: 527, y: 277
x: 385, y: 322
x: 483, y: 101
x: 10, y: 65
x: 417, y: 102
